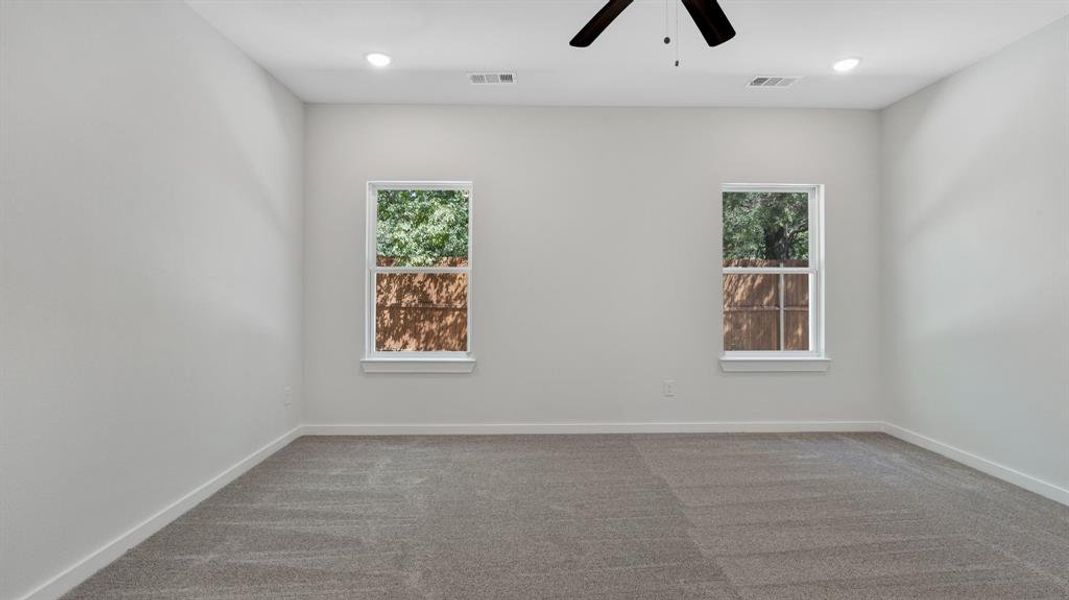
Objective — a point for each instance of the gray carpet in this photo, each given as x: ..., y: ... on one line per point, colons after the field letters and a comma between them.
x: 680, y: 517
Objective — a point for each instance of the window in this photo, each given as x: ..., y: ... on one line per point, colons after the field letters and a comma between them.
x: 419, y: 277
x: 773, y: 278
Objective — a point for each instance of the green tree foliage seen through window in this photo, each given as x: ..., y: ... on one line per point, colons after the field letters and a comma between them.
x: 766, y: 225
x: 420, y: 228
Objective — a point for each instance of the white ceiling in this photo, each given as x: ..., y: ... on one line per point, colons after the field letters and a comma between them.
x: 317, y: 48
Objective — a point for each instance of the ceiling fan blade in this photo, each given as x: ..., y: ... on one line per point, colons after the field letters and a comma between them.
x: 711, y: 21
x: 593, y: 29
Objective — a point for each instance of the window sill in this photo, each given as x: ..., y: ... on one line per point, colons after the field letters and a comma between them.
x: 418, y: 365
x: 775, y: 364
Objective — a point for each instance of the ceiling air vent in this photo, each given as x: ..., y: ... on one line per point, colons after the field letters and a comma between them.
x: 768, y: 81
x: 492, y: 78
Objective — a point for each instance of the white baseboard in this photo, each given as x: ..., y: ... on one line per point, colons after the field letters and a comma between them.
x: 992, y: 468
x: 558, y: 428
x: 86, y: 567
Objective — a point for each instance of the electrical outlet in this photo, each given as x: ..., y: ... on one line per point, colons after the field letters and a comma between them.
x: 669, y: 388
x: 287, y: 395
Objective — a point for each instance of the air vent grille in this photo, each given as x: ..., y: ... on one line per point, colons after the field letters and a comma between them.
x: 772, y: 81
x: 492, y: 78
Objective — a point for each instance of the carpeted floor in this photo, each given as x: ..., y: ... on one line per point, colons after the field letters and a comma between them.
x: 652, y: 517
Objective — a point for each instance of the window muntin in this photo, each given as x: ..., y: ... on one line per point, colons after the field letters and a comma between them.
x: 772, y: 270
x: 419, y: 270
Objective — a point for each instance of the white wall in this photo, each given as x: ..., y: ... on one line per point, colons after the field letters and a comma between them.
x: 596, y: 266
x: 150, y: 291
x: 976, y: 258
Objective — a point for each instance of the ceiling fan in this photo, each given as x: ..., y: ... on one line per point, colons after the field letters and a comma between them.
x: 707, y: 15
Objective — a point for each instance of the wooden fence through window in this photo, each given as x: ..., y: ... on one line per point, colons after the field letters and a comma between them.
x: 425, y: 312
x: 755, y: 306
x: 421, y: 312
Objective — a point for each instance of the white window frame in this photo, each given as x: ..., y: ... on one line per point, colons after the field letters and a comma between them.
x: 376, y: 361
x: 814, y: 359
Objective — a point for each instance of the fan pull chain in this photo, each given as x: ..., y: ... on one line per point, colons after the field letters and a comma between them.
x: 677, y: 34
x: 667, y: 40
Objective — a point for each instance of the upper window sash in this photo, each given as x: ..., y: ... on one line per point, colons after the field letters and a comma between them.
x: 816, y: 221
x: 372, y: 235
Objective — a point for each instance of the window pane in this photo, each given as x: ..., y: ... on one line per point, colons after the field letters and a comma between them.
x: 760, y: 310
x: 422, y: 228
x: 796, y: 312
x: 421, y: 312
x: 765, y: 229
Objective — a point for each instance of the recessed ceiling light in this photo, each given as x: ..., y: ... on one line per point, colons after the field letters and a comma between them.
x: 846, y: 65
x: 378, y: 59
